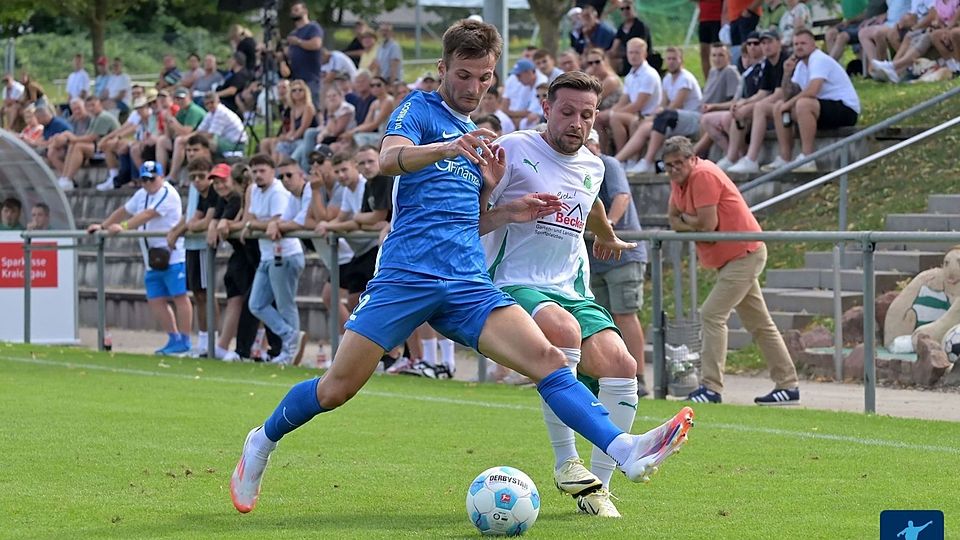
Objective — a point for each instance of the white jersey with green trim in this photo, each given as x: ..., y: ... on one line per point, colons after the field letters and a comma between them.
x: 547, y: 254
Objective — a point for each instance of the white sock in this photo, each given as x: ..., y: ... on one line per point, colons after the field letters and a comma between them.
x: 220, y: 352
x: 620, y: 447
x: 113, y: 173
x: 261, y: 445
x: 561, y: 437
x: 429, y: 351
x: 447, y: 353
x: 619, y: 397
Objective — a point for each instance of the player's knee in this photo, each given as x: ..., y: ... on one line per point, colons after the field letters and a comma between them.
x: 563, y: 332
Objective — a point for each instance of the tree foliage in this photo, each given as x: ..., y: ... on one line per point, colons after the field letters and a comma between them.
x: 549, y: 14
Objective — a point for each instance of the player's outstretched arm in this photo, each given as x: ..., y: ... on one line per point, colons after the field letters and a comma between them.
x: 398, y: 154
x: 527, y: 208
x: 606, y: 245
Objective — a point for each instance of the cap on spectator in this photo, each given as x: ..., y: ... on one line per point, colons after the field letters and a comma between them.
x: 181, y: 92
x: 102, y: 60
x: 151, y: 169
x: 522, y: 65
x: 752, y: 35
x: 220, y: 170
x: 770, y: 34
x: 139, y: 101
x: 321, y: 152
x: 341, y: 76
x: 150, y: 95
x: 594, y: 137
x: 574, y: 11
x: 428, y: 76
x: 163, y: 93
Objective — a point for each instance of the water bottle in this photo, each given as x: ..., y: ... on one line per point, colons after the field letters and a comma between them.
x: 786, y: 119
x: 107, y: 341
x: 277, y: 254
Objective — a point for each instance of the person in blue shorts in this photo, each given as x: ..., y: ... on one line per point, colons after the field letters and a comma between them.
x: 432, y: 269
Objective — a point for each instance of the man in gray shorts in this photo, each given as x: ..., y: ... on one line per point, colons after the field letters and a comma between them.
x: 617, y: 285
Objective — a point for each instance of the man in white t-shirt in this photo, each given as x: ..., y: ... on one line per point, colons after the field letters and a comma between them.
x: 11, y: 93
x: 519, y: 99
x: 118, y: 88
x: 820, y: 96
x: 156, y: 207
x: 78, y: 82
x: 640, y: 98
x: 335, y: 62
x: 543, y: 265
x: 679, y: 114
x: 281, y: 260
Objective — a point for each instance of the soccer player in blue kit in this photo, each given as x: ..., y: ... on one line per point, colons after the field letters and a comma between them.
x: 432, y: 269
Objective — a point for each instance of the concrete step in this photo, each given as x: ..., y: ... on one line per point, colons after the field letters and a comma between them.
x: 824, y: 259
x: 943, y: 204
x: 922, y: 222
x: 939, y: 247
x: 816, y: 278
x: 907, y: 262
x: 127, y: 308
x: 813, y: 301
x: 785, y: 320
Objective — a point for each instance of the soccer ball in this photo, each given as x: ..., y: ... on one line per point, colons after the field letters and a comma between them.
x: 503, y: 501
x: 951, y: 344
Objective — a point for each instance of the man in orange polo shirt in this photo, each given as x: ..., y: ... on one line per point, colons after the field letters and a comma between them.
x: 704, y: 199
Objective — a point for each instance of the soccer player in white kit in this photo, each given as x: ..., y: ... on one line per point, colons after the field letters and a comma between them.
x: 543, y: 265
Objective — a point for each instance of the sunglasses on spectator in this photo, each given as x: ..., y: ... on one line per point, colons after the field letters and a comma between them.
x: 376, y: 85
x: 197, y: 176
x: 753, y: 43
x: 287, y: 175
x: 319, y: 161
x: 296, y: 89
x: 626, y: 8
x: 541, y: 96
x: 594, y: 62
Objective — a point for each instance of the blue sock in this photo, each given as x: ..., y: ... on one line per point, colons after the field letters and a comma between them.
x: 185, y: 339
x: 576, y: 407
x: 295, y: 409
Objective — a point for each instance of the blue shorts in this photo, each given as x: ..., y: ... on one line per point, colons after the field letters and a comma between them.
x: 396, y: 302
x: 166, y: 283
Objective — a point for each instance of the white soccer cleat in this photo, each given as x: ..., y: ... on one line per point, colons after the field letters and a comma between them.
x: 245, y: 482
x: 598, y: 504
x: 656, y: 445
x: 575, y: 479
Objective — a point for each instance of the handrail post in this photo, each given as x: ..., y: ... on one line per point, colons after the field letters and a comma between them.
x: 27, y: 293
x: 837, y: 315
x: 869, y: 329
x: 333, y: 310
x: 101, y: 294
x: 694, y: 287
x: 676, y: 261
x: 211, y: 255
x: 659, y: 360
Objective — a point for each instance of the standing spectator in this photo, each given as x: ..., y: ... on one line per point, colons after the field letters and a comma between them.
x: 354, y: 49
x: 118, y: 88
x: 39, y: 217
x: 820, y: 96
x: 711, y: 20
x: 83, y: 147
x: 156, y: 207
x: 202, y: 201
x: 224, y: 126
x: 242, y: 41
x: 12, y: 92
x: 238, y: 77
x: 797, y: 17
x: 640, y: 98
x: 389, y: 62
x: 703, y: 198
x: 593, y: 33
x: 304, y: 46
x: 169, y: 75
x: 178, y: 128
x: 334, y: 63
x: 193, y: 73
x: 10, y: 215
x: 743, y: 16
x: 281, y: 260
x: 617, y: 284
x: 631, y: 27
x: 102, y: 79
x: 78, y: 82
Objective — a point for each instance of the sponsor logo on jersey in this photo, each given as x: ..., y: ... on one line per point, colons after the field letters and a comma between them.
x: 570, y: 218
x: 398, y: 123
x: 455, y: 168
x: 587, y: 182
x: 532, y: 165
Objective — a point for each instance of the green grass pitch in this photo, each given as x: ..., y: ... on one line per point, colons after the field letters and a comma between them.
x: 120, y: 446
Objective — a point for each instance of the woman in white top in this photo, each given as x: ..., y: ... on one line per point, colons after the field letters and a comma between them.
x: 371, y: 130
x: 302, y: 117
x: 337, y: 117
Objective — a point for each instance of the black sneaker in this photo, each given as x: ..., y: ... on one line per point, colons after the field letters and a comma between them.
x: 421, y: 369
x: 704, y: 395
x: 780, y: 396
x: 443, y: 371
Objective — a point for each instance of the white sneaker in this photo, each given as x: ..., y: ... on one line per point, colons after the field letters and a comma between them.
x: 642, y: 167
x: 66, y: 184
x: 744, y: 166
x: 953, y: 65
x: 809, y: 167
x: 598, y: 503
x: 230, y: 356
x: 246, y: 478
x: 106, y: 185
x: 656, y: 445
x: 573, y: 478
x: 724, y: 163
x: 774, y: 165
x: 400, y: 365
x: 284, y: 358
x: 884, y: 71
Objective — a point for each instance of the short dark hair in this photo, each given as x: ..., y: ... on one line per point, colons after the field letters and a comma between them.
x: 262, y: 159
x: 199, y: 164
x: 199, y: 139
x: 542, y: 53
x: 805, y: 32
x: 12, y: 203
x: 193, y: 55
x: 718, y: 45
x: 471, y: 39
x: 341, y: 157
x: 287, y: 161
x: 493, y: 91
x: 491, y: 119
x: 576, y: 80
x: 43, y: 206
x: 366, y: 147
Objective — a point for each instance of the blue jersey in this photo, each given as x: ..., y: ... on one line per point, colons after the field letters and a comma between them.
x: 436, y: 209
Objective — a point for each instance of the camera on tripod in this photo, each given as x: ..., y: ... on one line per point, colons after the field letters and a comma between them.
x: 268, y: 19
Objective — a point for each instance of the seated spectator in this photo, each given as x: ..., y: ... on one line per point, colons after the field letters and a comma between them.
x: 399, y: 91
x: 116, y: 147
x: 631, y: 27
x: 83, y: 147
x: 193, y: 72
x: 596, y: 64
x: 102, y: 78
x: 425, y: 83
x: 223, y: 126
x: 796, y: 17
x: 39, y: 217
x: 336, y: 118
x: 156, y: 207
x: 593, y: 33
x: 918, y: 41
x: 78, y: 82
x: 210, y: 79
x: 118, y: 89
x: 10, y: 215
x: 750, y: 53
x: 489, y: 121
x: 281, y: 260
x: 336, y: 62
x: 640, y: 98
x: 874, y: 38
x: 178, y: 128
x: 708, y: 29
x: 360, y: 96
x: 743, y: 16
x: 520, y: 96
x: 169, y: 74
x: 846, y: 32
x: 32, y: 134
x: 12, y: 92
x: 303, y: 116
x: 721, y: 89
x: 821, y: 96
x: 53, y: 125
x: 490, y: 105
x: 546, y: 64
x: 371, y: 130
x: 568, y: 61
x: 679, y: 114
x: 147, y: 132
x: 236, y: 79
x: 57, y: 147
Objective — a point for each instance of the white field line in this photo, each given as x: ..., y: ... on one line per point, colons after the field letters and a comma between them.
x: 491, y: 405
